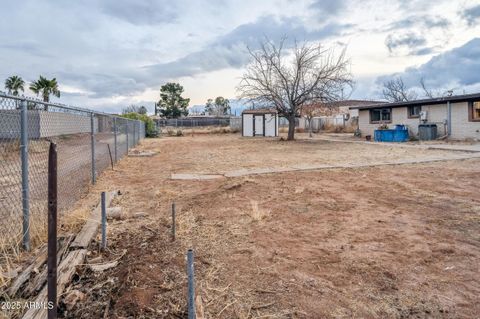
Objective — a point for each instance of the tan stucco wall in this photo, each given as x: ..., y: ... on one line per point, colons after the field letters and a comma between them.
x: 462, y: 128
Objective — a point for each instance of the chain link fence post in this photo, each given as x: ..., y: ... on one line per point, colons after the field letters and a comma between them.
x: 115, y: 137
x: 134, y: 133
x: 25, y: 177
x: 92, y: 136
x: 127, y: 134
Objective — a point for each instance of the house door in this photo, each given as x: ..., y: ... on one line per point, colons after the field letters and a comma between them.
x: 258, y: 125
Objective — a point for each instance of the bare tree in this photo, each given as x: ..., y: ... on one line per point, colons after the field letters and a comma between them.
x: 312, y: 110
x: 396, y: 91
x: 313, y: 74
x: 428, y: 93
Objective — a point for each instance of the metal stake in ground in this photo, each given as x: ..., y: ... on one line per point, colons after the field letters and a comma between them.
x: 110, y: 153
x: 191, y: 285
x: 104, y: 221
x: 52, y: 232
x: 173, y: 221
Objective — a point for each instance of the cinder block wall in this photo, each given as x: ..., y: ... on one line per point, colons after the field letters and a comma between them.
x: 462, y: 128
x: 364, y: 123
x: 437, y: 114
x: 56, y: 124
x: 44, y: 124
x: 400, y: 116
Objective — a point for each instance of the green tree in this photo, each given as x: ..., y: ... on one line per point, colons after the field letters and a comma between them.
x: 172, y: 104
x: 14, y: 85
x: 209, y: 107
x: 45, y: 88
x: 221, y: 106
x: 150, y: 128
x: 135, y: 109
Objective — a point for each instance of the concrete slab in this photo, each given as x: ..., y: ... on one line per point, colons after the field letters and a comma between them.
x: 425, y: 145
x: 187, y: 176
x: 299, y: 168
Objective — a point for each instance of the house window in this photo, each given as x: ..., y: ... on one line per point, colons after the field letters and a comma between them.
x: 414, y: 111
x: 380, y: 116
x: 475, y: 111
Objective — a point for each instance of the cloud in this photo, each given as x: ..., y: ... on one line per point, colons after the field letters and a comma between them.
x: 141, y: 12
x: 328, y: 7
x: 409, y: 41
x: 472, y: 15
x: 404, y: 38
x: 459, y: 67
x: 230, y: 50
x: 424, y: 21
x: 113, y: 52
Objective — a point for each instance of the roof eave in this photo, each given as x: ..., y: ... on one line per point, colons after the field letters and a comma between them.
x: 453, y: 99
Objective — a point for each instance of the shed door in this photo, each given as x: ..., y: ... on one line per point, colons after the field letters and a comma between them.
x: 258, y: 124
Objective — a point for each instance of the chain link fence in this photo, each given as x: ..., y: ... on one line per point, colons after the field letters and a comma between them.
x: 88, y: 142
x: 192, y: 122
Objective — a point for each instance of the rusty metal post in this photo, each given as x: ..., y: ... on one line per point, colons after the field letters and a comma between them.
x: 52, y: 232
x: 110, y: 153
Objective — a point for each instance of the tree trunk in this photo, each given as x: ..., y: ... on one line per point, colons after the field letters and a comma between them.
x: 45, y: 99
x: 310, y: 129
x: 291, y: 128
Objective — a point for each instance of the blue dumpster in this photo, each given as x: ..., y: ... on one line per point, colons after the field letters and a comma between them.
x: 399, y: 134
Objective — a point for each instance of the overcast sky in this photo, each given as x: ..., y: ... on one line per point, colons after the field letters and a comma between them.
x: 107, y: 54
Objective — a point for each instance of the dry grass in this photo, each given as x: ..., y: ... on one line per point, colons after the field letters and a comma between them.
x: 328, y: 128
x: 11, y: 252
x: 256, y: 213
x: 199, y: 130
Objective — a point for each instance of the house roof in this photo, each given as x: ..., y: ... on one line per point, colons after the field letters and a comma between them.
x: 260, y: 111
x: 336, y: 107
x: 439, y: 100
x: 353, y: 103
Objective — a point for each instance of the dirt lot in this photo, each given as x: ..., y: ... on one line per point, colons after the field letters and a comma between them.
x: 379, y: 242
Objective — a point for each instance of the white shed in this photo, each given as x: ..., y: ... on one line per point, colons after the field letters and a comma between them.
x: 260, y: 122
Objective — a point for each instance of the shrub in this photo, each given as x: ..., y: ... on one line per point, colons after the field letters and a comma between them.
x: 150, y: 128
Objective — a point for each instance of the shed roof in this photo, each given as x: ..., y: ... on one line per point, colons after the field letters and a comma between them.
x: 439, y: 100
x: 260, y: 111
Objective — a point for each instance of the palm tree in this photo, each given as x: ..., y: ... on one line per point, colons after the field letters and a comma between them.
x: 14, y: 85
x: 45, y: 87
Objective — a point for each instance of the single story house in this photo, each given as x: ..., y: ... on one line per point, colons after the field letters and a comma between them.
x: 260, y: 122
x: 456, y: 117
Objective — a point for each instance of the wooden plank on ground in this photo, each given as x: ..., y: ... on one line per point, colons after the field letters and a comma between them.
x: 39, y: 260
x: 90, y: 228
x: 65, y: 271
x: 39, y: 281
